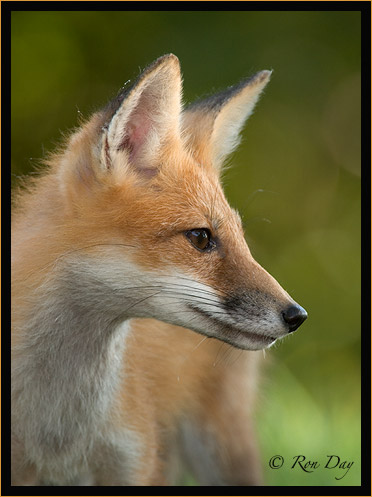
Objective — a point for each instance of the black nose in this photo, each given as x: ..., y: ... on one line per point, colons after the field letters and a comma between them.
x: 294, y: 316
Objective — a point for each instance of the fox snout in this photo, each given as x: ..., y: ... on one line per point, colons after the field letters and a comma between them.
x: 255, y: 318
x: 292, y: 315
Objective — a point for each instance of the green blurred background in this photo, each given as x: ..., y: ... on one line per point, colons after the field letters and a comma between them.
x: 295, y: 180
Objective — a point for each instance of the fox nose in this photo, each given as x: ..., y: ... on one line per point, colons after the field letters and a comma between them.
x: 294, y: 316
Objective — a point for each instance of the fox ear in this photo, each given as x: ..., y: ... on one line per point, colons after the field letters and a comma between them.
x: 144, y: 117
x: 212, y: 126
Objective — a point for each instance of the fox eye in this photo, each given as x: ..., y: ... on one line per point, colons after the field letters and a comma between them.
x: 201, y: 238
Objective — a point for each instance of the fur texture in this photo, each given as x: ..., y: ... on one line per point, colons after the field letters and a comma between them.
x: 108, y: 387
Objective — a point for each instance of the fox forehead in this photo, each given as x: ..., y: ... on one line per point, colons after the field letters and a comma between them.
x: 184, y: 195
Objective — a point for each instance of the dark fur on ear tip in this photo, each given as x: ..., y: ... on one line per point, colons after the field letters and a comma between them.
x: 218, y: 100
x: 262, y: 76
x: 114, y: 104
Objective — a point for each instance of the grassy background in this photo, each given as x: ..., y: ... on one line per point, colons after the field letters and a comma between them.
x: 295, y: 180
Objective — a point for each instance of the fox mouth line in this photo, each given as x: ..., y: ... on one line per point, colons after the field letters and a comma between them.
x: 226, y: 328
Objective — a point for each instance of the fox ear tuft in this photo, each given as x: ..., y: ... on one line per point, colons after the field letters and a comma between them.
x: 212, y: 126
x: 145, y: 117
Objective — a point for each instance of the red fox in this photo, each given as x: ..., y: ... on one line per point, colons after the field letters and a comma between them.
x: 131, y: 280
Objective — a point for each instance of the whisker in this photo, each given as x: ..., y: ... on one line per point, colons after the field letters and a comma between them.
x: 175, y: 293
x: 227, y: 294
x: 237, y: 353
x: 140, y: 301
x: 224, y: 354
x: 197, y: 346
x: 187, y: 357
x: 215, y: 361
x: 252, y: 195
x: 190, y: 311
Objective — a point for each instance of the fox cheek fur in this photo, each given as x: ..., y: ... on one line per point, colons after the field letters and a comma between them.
x: 130, y: 221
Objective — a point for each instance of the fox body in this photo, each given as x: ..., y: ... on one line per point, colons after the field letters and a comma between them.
x: 124, y: 242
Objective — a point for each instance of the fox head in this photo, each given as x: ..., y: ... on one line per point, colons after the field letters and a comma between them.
x: 149, y: 229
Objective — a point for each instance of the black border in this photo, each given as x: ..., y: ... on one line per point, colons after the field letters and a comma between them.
x: 7, y: 7
x: 192, y: 5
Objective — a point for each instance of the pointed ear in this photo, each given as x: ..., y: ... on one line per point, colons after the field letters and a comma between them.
x: 145, y: 117
x: 212, y: 126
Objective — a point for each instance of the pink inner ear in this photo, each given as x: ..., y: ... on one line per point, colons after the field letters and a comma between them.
x: 137, y: 132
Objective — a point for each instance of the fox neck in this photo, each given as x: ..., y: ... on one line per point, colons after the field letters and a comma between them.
x: 68, y: 369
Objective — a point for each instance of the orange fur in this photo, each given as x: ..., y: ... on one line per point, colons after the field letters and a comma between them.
x: 108, y: 385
